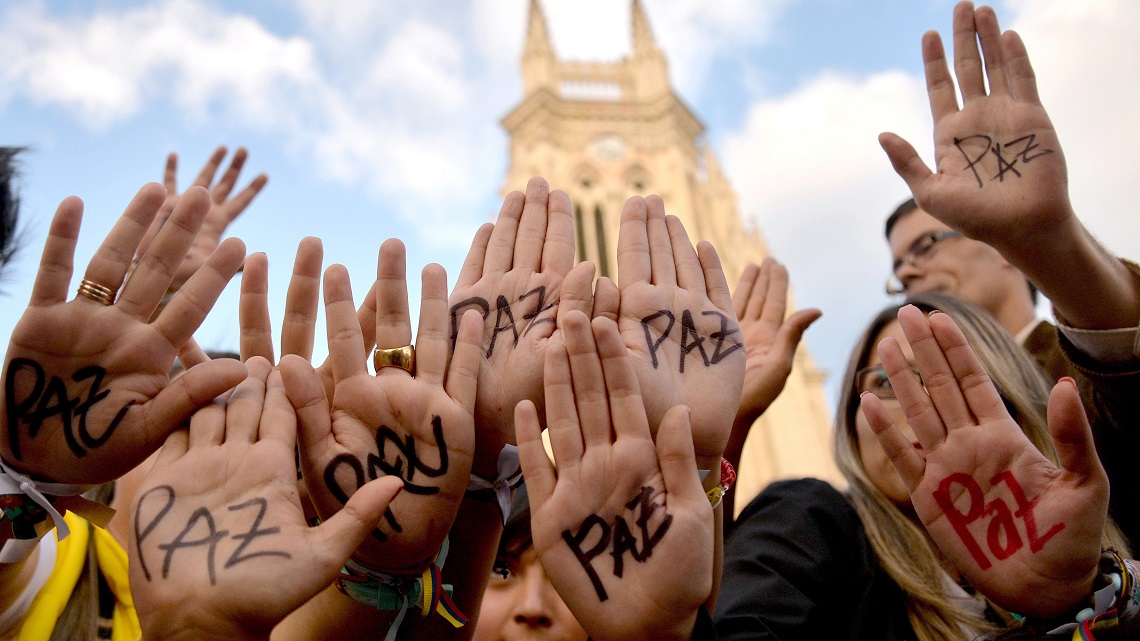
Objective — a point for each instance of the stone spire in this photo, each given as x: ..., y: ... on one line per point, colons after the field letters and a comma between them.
x: 652, y: 72
x: 642, y: 35
x: 538, y: 61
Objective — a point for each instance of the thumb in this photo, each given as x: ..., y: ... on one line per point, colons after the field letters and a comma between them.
x: 197, y: 386
x: 575, y: 293
x: 676, y: 456
x: 1072, y: 436
x: 906, y: 162
x: 792, y: 331
x: 337, y: 538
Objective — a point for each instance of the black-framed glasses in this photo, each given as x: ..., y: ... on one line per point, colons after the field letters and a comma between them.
x: 874, y: 379
x: 921, y: 251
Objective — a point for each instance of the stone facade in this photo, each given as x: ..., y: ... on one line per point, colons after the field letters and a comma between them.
x: 603, y: 131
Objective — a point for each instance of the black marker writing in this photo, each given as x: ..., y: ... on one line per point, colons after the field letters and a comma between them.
x: 1006, y: 163
x: 691, y: 338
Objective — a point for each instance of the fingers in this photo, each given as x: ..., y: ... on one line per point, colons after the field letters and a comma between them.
x: 346, y: 345
x: 660, y: 246
x: 240, y: 202
x: 575, y: 294
x: 170, y: 175
x: 191, y: 354
x: 622, y: 387
x: 561, y: 414
x: 607, y: 300
x: 208, y: 425
x: 689, y: 273
x: 587, y: 380
x: 986, y: 24
x: 186, y: 311
x: 744, y: 286
x: 174, y: 448
x: 196, y: 387
x: 501, y: 245
x: 676, y: 457
x: 920, y: 412
x: 1022, y: 80
x: 759, y: 295
x: 109, y: 264
x: 54, y: 276
x: 634, y: 264
x: 716, y: 283
x: 229, y: 178
x: 307, y: 395
x: 256, y: 335
x: 472, y: 269
x: 532, y: 226
x: 939, y: 84
x: 982, y: 398
x: 366, y: 318
x: 463, y: 373
x: 967, y: 62
x: 1072, y: 436
x: 906, y: 459
x: 558, y: 250
x: 938, y: 377
x: 278, y: 419
x: 906, y: 163
x: 155, y: 270
x: 244, y: 406
x: 393, y: 322
x: 210, y: 169
x: 432, y: 340
x: 338, y: 537
x: 536, y: 466
x: 302, y: 300
x: 775, y: 303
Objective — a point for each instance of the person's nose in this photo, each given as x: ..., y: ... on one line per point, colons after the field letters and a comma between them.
x: 534, y: 608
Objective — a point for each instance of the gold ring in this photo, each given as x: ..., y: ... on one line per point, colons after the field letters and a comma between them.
x: 402, y: 357
x: 96, y: 292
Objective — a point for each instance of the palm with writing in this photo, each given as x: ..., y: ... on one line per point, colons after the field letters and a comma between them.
x: 676, y: 318
x: 223, y: 209
x: 623, y: 529
x: 1001, y: 172
x: 86, y: 391
x: 518, y: 276
x: 1025, y: 532
x: 419, y: 428
x: 219, y: 545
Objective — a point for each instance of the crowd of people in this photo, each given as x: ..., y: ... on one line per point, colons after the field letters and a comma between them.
x: 550, y: 455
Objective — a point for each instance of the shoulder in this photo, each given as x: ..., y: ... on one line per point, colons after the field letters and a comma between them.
x: 799, y: 503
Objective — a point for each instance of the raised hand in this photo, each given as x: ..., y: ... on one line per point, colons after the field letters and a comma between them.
x: 223, y: 209
x: 86, y: 395
x: 419, y: 428
x: 1023, y: 531
x: 623, y: 529
x: 770, y: 339
x: 677, y: 319
x: 518, y: 277
x: 1000, y: 170
x: 219, y: 545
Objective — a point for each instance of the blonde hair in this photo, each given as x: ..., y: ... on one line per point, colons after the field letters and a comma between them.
x: 901, y: 545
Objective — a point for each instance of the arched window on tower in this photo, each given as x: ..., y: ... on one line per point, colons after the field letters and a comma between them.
x: 603, y: 255
x: 580, y: 232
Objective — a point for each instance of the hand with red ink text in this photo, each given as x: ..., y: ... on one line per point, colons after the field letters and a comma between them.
x: 219, y: 547
x: 1023, y: 531
x: 677, y: 319
x: 418, y: 427
x: 623, y: 529
x: 86, y: 393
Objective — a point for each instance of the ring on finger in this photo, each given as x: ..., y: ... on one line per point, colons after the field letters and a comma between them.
x: 96, y: 292
x: 401, y: 357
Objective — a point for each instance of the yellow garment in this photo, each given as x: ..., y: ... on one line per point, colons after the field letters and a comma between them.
x: 39, y: 622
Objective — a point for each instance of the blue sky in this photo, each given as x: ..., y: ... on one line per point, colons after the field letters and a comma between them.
x: 380, y: 119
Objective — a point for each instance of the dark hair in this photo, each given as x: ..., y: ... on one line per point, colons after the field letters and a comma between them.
x: 910, y: 205
x: 9, y: 204
x: 902, y: 210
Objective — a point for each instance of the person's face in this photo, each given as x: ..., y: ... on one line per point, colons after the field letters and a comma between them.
x: 875, y: 462
x: 525, y: 606
x: 954, y: 265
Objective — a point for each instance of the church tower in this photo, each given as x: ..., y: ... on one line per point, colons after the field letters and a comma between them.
x: 604, y: 131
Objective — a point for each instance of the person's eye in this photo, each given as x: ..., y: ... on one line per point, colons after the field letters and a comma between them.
x: 881, y: 383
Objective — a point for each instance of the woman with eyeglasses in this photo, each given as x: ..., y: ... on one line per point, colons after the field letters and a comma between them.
x: 806, y: 561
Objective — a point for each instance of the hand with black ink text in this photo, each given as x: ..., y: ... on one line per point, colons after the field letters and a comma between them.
x: 86, y: 394
x: 518, y: 275
x: 219, y: 545
x: 677, y: 319
x: 223, y: 209
x: 1000, y: 170
x: 1023, y: 531
x: 420, y: 429
x: 623, y: 528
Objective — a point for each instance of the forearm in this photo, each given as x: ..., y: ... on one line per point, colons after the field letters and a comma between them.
x: 1089, y: 286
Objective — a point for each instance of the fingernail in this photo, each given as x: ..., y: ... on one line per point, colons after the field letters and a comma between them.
x: 1070, y: 381
x: 937, y: 311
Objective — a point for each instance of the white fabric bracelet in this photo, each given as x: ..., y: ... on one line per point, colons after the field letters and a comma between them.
x: 509, y: 476
x: 13, y: 482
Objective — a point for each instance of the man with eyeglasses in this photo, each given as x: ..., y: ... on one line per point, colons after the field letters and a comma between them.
x: 995, y: 223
